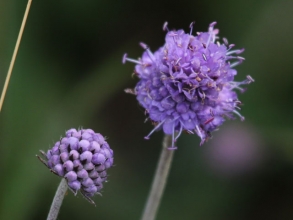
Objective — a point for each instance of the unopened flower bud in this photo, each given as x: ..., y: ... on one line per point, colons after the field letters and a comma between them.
x: 82, y: 158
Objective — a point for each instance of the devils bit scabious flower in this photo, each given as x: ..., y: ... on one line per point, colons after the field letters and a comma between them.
x: 187, y: 85
x: 82, y: 158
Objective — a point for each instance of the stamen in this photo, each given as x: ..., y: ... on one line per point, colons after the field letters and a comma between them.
x: 125, y: 58
x: 212, y: 33
x: 130, y: 91
x: 235, y: 64
x: 231, y: 46
x: 240, y: 51
x: 240, y: 58
x: 235, y: 51
x: 179, y: 133
x: 170, y: 71
x: 143, y: 45
x: 148, y: 94
x: 135, y: 73
x: 237, y: 113
x: 172, y: 34
x: 173, y: 147
x: 213, y: 24
x: 235, y: 85
x: 225, y: 41
x: 250, y: 79
x: 204, y: 57
x: 191, y: 27
x: 201, y: 94
x: 199, y: 134
x: 215, y: 32
x: 165, y: 26
x: 209, y: 120
x: 210, y: 36
x: 151, y: 55
x: 212, y: 112
x: 178, y: 60
x: 189, y: 131
x: 152, y: 131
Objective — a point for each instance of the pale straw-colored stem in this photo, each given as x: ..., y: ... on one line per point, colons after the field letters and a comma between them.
x: 14, y: 54
x: 159, y: 181
x: 57, y: 201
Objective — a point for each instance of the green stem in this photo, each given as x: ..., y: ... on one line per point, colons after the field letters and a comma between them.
x: 159, y: 181
x: 57, y: 201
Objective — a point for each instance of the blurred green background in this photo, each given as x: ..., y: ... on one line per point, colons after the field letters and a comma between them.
x: 68, y: 73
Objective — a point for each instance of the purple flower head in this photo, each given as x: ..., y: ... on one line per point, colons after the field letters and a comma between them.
x: 188, y: 84
x: 82, y: 158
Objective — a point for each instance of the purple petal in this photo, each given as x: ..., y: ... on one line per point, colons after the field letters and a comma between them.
x: 86, y: 157
x: 98, y: 158
x: 82, y: 174
x: 70, y: 176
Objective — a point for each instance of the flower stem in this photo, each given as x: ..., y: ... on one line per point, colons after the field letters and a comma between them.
x: 57, y: 201
x: 14, y: 53
x: 159, y: 181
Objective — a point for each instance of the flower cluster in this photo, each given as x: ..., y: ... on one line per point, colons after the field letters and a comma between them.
x: 82, y: 158
x: 187, y: 85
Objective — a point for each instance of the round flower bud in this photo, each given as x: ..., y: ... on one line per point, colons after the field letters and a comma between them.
x: 89, y: 166
x: 82, y: 174
x: 108, y: 164
x: 87, y: 182
x: 98, y: 181
x: 79, y: 158
x: 64, y: 156
x: 73, y: 155
x: 64, y: 141
x: 59, y: 169
x: 98, y: 158
x: 87, y: 136
x: 86, y: 157
x: 77, y: 165
x: 70, y: 176
x: 91, y: 189
x: 73, y: 143
x: 64, y: 148
x: 94, y: 147
x: 84, y: 144
x: 55, y: 159
x: 74, y: 185
x: 68, y: 166
x: 94, y: 174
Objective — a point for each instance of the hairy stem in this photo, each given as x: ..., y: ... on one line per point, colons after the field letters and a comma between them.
x: 14, y: 53
x: 159, y: 181
x: 57, y: 201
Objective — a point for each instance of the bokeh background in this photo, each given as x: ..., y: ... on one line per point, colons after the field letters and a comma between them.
x: 69, y: 73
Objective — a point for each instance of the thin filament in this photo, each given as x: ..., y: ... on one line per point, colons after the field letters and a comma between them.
x: 14, y: 54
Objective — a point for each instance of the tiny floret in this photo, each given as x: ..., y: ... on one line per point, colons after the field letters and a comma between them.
x: 82, y: 158
x: 188, y: 84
